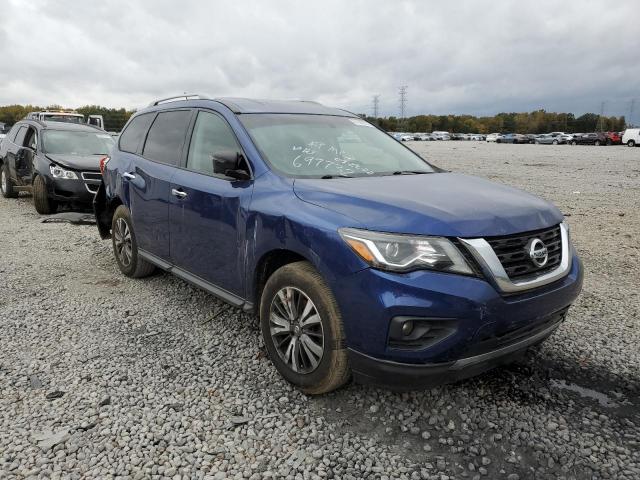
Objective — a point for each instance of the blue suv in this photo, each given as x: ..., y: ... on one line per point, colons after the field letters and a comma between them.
x: 360, y: 258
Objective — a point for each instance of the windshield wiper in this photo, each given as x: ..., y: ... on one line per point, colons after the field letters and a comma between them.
x: 409, y: 172
x: 326, y: 177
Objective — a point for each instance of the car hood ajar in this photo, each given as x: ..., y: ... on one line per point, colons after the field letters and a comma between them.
x: 77, y: 162
x: 444, y: 204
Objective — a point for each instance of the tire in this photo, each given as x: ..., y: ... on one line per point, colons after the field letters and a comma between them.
x: 609, y: 142
x: 44, y: 205
x: 597, y: 143
x: 555, y: 142
x: 573, y: 142
x: 498, y: 141
x: 125, y: 246
x: 312, y: 372
x: 6, y: 185
x: 631, y: 143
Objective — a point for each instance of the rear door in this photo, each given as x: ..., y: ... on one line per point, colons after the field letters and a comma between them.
x: 13, y: 152
x: 150, y: 177
x: 207, y: 223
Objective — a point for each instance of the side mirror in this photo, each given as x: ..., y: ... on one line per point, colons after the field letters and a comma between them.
x: 230, y: 163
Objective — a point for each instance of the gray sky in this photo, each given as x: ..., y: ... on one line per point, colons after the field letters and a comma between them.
x: 454, y: 56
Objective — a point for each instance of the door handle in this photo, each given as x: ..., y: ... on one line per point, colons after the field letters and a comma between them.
x: 129, y: 176
x: 178, y: 193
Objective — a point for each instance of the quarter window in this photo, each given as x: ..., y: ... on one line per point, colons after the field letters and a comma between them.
x: 166, y: 137
x: 211, y: 135
x: 131, y: 138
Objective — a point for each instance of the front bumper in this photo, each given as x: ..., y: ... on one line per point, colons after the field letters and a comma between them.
x: 410, y: 376
x: 80, y: 191
x: 490, y: 328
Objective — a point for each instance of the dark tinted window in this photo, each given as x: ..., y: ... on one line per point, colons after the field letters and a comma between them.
x: 166, y: 137
x: 131, y: 138
x: 211, y: 135
x: 19, y: 138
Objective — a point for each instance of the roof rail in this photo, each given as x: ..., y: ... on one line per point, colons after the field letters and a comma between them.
x: 177, y: 98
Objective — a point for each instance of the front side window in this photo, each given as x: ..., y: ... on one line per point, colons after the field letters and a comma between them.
x: 132, y: 136
x: 211, y: 135
x: 166, y: 137
x: 20, y: 134
x: 316, y: 146
x: 66, y: 142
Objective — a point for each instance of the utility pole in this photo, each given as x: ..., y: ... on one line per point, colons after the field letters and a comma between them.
x: 633, y: 104
x: 376, y: 104
x: 403, y: 102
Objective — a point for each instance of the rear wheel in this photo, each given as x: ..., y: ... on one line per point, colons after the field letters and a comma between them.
x: 6, y: 185
x: 631, y: 143
x: 44, y: 205
x: 597, y: 143
x: 555, y: 142
x: 573, y: 142
x: 125, y: 246
x: 302, y: 329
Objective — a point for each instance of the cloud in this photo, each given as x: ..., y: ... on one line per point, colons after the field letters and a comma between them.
x: 455, y: 57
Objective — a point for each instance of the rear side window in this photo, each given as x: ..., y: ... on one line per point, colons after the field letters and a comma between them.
x: 211, y: 135
x: 166, y: 137
x: 131, y: 138
x: 19, y: 138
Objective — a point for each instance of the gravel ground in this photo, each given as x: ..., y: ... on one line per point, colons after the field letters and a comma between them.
x: 103, y: 376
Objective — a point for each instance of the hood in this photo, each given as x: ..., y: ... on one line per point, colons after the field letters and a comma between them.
x: 445, y: 204
x: 77, y: 162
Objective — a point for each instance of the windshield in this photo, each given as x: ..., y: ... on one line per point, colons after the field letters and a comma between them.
x: 325, y: 146
x: 61, y: 142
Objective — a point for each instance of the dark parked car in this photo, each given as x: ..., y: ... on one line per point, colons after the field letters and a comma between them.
x: 589, y: 139
x: 360, y: 258
x: 58, y: 162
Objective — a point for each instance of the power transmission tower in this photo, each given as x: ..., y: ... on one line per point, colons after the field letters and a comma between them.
x: 403, y: 101
x: 600, y: 118
x: 376, y: 104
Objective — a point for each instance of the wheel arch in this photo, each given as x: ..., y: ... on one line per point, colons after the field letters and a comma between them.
x: 266, y: 266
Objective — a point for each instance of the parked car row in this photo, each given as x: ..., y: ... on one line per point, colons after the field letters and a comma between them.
x: 630, y: 137
x: 408, y: 275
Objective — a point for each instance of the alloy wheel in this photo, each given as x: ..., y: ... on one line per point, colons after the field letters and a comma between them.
x: 296, y: 330
x: 122, y: 240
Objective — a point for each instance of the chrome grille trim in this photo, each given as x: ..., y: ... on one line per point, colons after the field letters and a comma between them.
x: 491, y: 266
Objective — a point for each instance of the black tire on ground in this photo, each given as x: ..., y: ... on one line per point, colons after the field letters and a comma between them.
x: 609, y: 142
x: 555, y: 142
x: 573, y: 142
x: 631, y: 143
x: 332, y: 367
x: 44, y: 205
x: 125, y: 246
x: 6, y: 185
x: 597, y: 143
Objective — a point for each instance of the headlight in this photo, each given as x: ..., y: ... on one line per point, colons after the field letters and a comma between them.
x: 403, y: 253
x: 59, y: 172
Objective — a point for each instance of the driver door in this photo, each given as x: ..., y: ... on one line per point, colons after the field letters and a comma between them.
x: 25, y: 157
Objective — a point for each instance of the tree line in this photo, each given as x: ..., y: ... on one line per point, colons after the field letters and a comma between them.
x: 114, y: 118
x: 538, y: 121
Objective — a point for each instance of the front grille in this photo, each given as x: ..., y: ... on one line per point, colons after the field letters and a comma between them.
x: 512, y: 253
x: 96, y: 176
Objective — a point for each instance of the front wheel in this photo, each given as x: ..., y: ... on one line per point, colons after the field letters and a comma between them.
x: 6, y: 185
x: 41, y: 201
x: 302, y: 329
x: 597, y: 143
x: 574, y: 142
x: 555, y: 142
x: 631, y: 143
x: 125, y: 246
